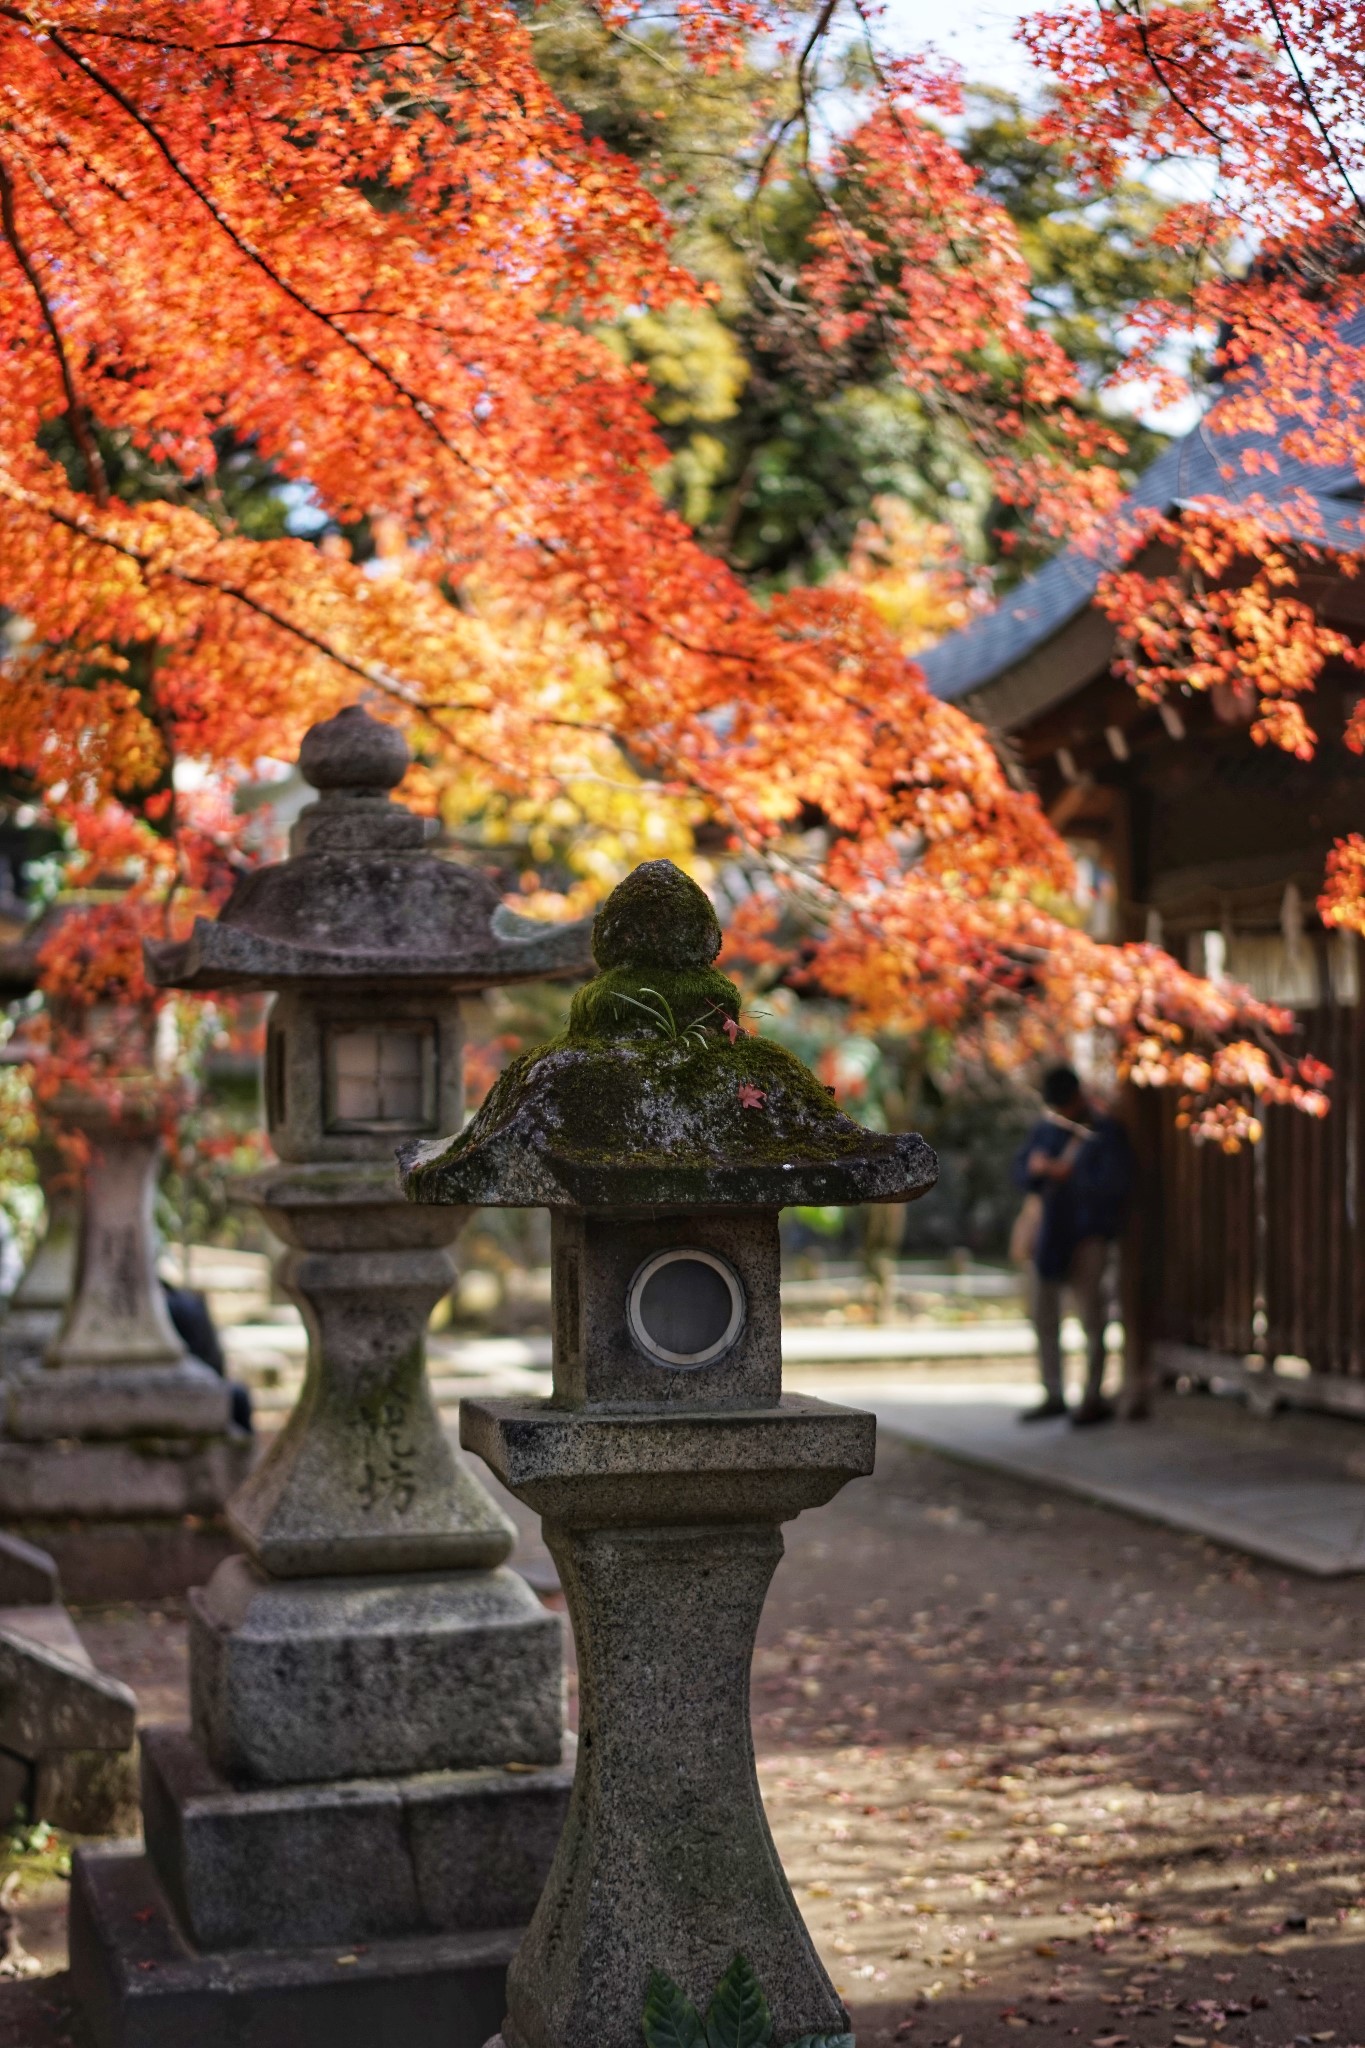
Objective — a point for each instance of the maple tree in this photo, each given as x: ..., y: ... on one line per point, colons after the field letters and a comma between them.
x: 369, y: 244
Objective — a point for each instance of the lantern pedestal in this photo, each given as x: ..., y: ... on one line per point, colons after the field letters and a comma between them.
x: 141, y: 1984
x: 305, y: 1680
x: 362, y: 1478
x: 666, y: 1532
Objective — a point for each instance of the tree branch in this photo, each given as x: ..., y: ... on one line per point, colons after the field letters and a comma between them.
x: 269, y: 42
x: 424, y: 411
x: 1313, y: 114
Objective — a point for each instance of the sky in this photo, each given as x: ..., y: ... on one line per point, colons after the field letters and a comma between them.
x: 977, y: 34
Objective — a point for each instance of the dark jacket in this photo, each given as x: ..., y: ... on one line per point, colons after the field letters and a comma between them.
x: 189, y: 1313
x: 1091, y: 1202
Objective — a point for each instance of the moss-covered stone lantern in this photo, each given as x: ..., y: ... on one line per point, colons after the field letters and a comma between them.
x: 364, y: 1676
x: 664, y: 1140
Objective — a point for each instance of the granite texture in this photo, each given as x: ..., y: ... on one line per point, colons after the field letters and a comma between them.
x: 588, y: 1469
x: 86, y: 1791
x: 306, y: 1680
x: 359, y: 1860
x: 38, y: 1305
x: 302, y: 1033
x: 142, y: 1984
x: 656, y: 1123
x: 146, y: 1557
x: 664, y: 1527
x: 362, y: 1478
x: 643, y: 1124
x: 28, y: 1575
x: 666, y: 1860
x: 119, y: 1422
x: 26, y: 1337
x: 596, y: 1361
x: 121, y: 1401
x: 346, y: 1206
x: 363, y: 1678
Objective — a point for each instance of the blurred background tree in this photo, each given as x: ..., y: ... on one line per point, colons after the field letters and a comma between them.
x: 781, y: 447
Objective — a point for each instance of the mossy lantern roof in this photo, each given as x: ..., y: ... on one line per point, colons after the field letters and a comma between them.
x: 655, y: 1096
x: 362, y: 899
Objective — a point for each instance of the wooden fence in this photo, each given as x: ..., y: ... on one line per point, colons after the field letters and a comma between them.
x: 1264, y: 1251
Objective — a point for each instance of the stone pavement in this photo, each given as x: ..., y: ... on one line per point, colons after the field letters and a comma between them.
x: 1289, y: 1488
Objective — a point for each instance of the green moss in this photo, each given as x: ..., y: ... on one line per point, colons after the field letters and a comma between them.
x: 672, y: 1102
x: 607, y: 1007
x: 621, y: 1109
x: 656, y: 918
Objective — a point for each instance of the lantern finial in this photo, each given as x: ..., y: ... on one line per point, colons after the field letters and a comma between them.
x: 353, y: 752
x: 656, y: 917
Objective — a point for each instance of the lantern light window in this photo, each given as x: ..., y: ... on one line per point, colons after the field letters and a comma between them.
x: 382, y: 1078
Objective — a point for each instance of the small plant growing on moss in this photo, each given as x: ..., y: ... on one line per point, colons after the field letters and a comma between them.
x: 660, y: 1014
x: 737, y: 2017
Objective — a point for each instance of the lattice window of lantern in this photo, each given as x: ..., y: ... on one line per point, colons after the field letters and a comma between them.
x: 381, y: 1079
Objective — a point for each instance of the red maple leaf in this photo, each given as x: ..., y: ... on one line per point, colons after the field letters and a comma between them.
x: 751, y: 1097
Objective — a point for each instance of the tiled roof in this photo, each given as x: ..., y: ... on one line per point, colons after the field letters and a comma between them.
x: 1203, y: 464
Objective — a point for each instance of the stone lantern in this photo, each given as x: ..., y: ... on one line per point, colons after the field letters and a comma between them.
x: 114, y: 1436
x: 664, y: 1141
x: 375, y: 1757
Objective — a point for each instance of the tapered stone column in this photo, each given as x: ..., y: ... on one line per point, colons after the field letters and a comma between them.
x: 119, y: 1424
x: 668, y: 1457
x: 37, y: 1308
x: 376, y: 1763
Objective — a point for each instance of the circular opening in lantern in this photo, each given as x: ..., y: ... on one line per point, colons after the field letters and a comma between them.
x: 685, y: 1308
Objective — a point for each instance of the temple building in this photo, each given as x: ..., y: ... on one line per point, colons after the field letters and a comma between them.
x: 1190, y: 834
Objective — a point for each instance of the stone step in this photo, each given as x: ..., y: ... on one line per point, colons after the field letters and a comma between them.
x: 51, y: 1696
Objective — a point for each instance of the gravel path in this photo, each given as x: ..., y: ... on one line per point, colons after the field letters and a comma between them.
x: 1031, y: 1766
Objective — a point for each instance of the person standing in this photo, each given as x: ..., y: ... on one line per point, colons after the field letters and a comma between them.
x: 1076, y: 1169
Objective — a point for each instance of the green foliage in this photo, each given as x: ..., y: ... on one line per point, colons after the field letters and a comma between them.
x: 244, y: 494
x: 737, y: 2017
x: 20, y: 1199
x: 670, y: 2021
x: 776, y: 448
x: 1091, y: 261
x: 35, y: 1850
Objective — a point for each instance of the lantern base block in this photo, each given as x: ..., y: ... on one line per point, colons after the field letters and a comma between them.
x: 359, y: 1860
x: 25, y: 1335
x: 142, y: 1984
x: 134, y: 1559
x: 117, y: 1403
x: 298, y: 1681
x: 110, y: 1481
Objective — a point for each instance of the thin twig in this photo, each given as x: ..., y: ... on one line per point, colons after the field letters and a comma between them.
x: 425, y: 412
